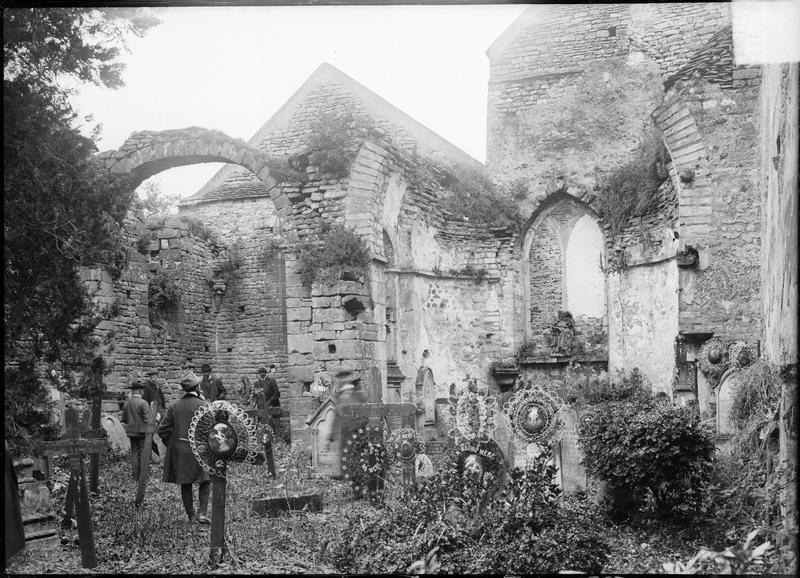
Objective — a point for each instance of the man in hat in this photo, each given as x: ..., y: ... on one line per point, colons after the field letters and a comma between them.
x: 267, y: 394
x: 211, y: 385
x: 180, y: 465
x: 346, y: 390
x: 136, y: 411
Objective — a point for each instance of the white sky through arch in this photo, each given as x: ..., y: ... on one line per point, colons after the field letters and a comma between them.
x: 585, y: 280
x: 231, y: 68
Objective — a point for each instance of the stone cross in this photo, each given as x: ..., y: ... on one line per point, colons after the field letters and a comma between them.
x: 148, y: 429
x: 76, y: 443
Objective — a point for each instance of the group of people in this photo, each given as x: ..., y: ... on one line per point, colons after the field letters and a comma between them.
x: 180, y: 465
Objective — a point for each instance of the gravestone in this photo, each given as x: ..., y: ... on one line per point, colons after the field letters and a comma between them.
x: 324, y: 452
x: 427, y: 391
x: 375, y: 384
x: 568, y: 456
x: 724, y: 394
x: 116, y: 433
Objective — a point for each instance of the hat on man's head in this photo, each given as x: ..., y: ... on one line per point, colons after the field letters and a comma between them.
x: 189, y: 381
x: 205, y: 367
x: 136, y: 384
x: 262, y: 370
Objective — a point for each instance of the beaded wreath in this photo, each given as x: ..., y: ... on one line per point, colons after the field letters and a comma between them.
x: 534, y: 414
x: 364, y: 456
x: 405, y: 434
x: 714, y: 359
x: 246, y: 442
x: 471, y: 416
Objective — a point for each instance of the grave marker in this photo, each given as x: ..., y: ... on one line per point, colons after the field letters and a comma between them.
x: 568, y: 456
x: 76, y: 444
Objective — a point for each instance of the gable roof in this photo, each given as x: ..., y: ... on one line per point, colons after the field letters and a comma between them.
x: 224, y: 186
x: 510, y: 34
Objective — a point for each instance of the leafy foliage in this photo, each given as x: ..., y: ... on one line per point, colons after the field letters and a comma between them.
x: 199, y: 230
x: 26, y: 409
x: 472, y: 196
x: 338, y: 252
x: 646, y: 445
x: 163, y: 294
x: 629, y: 189
x: 450, y: 524
x: 61, y: 211
x: 154, y: 201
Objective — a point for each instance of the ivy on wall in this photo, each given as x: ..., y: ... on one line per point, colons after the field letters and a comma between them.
x: 338, y: 253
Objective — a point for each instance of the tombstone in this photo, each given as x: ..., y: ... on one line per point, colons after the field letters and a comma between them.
x: 116, y: 433
x: 324, y: 453
x: 426, y: 390
x: 374, y: 386
x: 567, y: 455
x: 724, y: 394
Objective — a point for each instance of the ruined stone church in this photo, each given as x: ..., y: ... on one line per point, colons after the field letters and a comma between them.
x: 573, y: 92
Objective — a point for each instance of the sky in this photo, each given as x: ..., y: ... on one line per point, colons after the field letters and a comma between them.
x: 231, y: 68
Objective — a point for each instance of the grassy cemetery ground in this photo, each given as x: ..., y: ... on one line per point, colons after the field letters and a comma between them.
x: 159, y: 538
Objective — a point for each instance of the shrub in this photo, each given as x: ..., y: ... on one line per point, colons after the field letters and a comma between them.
x: 27, y: 410
x: 646, y: 445
x: 339, y: 252
x: 199, y: 230
x: 628, y: 189
x: 163, y: 294
x: 472, y: 196
x: 618, y: 387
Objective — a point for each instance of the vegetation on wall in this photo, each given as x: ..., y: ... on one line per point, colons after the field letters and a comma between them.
x: 470, y: 195
x: 337, y: 253
x: 628, y: 189
x: 26, y: 410
x: 199, y: 230
x: 228, y: 270
x: 163, y: 295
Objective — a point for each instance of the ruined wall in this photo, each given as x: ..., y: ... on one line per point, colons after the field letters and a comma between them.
x: 643, y: 321
x: 545, y: 280
x: 778, y: 188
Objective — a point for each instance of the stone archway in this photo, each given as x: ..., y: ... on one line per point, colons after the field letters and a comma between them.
x: 548, y: 231
x: 147, y: 153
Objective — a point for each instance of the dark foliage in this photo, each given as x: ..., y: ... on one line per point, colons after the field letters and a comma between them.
x: 61, y: 211
x: 644, y: 446
x: 472, y: 196
x: 27, y: 411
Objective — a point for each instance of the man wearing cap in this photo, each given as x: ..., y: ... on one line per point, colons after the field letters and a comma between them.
x: 211, y: 385
x: 136, y: 411
x: 180, y: 465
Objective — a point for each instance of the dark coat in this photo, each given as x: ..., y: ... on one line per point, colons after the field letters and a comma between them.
x: 212, y: 388
x: 180, y: 465
x: 268, y: 388
x: 136, y: 411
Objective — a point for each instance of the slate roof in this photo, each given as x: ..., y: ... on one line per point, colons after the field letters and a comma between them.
x: 713, y: 62
x: 235, y: 182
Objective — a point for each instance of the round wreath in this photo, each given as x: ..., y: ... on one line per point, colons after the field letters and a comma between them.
x: 405, y: 434
x: 248, y: 443
x: 424, y: 466
x: 740, y: 355
x: 490, y: 456
x: 364, y: 456
x: 472, y: 416
x: 549, y: 408
x: 714, y: 359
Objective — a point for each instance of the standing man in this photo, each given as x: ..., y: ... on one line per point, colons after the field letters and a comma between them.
x: 136, y: 411
x: 180, y: 465
x: 267, y: 394
x: 211, y: 385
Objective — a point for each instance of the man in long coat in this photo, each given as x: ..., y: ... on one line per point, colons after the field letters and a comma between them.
x: 346, y: 391
x: 136, y: 411
x: 211, y: 385
x: 180, y: 465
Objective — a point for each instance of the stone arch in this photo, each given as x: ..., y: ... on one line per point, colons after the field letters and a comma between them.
x: 147, y: 153
x: 584, y: 204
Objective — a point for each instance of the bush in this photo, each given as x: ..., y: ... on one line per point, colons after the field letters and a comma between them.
x: 645, y: 446
x: 521, y: 529
x: 163, y: 294
x: 27, y: 410
x: 472, y: 196
x: 338, y: 252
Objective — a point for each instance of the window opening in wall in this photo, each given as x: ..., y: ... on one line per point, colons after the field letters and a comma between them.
x: 230, y: 349
x: 353, y: 307
x: 241, y: 308
x: 128, y: 294
x: 331, y: 348
x: 612, y: 31
x: 584, y: 278
x: 207, y: 308
x: 206, y: 348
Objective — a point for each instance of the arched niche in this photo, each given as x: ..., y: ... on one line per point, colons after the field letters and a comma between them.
x: 426, y: 389
x: 560, y: 269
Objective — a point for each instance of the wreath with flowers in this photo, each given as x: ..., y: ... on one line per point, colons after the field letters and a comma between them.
x: 266, y: 434
x: 740, y: 355
x: 545, y: 406
x: 402, y: 440
x: 424, y: 466
x: 472, y: 416
x: 714, y: 359
x: 364, y: 456
x: 321, y: 388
